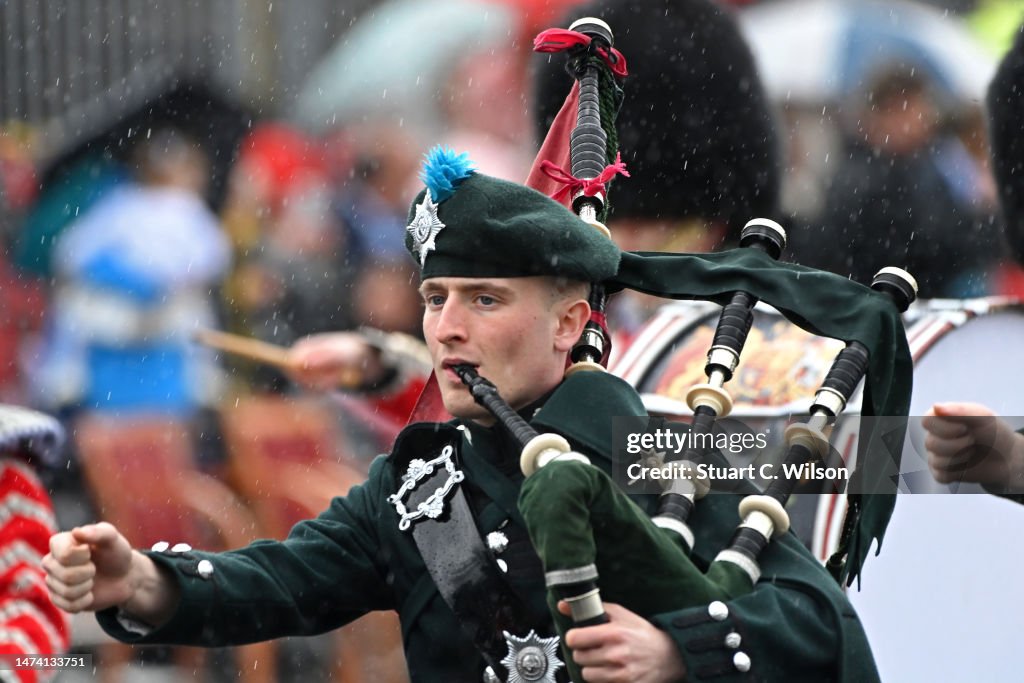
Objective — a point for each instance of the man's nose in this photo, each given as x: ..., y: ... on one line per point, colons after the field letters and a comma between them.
x: 451, y: 322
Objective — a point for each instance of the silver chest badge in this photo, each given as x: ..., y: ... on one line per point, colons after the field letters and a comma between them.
x: 531, y: 658
x: 424, y: 227
x: 419, y: 469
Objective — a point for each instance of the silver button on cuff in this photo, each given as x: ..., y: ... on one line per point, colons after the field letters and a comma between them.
x: 205, y: 569
x: 718, y: 611
x: 160, y: 546
x: 741, y: 661
x: 733, y: 640
x: 181, y: 548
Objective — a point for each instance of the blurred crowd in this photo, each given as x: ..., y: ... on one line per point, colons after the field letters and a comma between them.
x: 115, y: 254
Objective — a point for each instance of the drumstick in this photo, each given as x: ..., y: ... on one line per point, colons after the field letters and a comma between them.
x: 264, y: 352
x: 254, y: 349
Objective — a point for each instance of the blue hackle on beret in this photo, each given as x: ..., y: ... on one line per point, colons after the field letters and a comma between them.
x: 443, y: 170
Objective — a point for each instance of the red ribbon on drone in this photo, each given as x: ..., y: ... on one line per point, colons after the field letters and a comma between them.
x: 561, y: 39
x: 590, y: 186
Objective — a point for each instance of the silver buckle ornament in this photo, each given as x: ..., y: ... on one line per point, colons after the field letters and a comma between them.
x: 418, y: 470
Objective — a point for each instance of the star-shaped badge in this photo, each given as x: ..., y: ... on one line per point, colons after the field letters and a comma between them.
x: 531, y: 658
x: 424, y: 227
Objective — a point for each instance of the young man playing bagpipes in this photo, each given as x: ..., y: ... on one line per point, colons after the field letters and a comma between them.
x: 504, y: 272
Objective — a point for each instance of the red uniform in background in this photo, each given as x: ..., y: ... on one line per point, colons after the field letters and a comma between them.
x: 29, y: 623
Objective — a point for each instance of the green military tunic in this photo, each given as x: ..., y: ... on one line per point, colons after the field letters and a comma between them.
x: 796, y: 625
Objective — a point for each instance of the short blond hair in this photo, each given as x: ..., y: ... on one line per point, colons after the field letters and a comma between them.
x: 563, y: 288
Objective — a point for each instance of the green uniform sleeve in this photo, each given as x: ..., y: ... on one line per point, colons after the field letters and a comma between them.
x: 786, y: 629
x: 329, y: 571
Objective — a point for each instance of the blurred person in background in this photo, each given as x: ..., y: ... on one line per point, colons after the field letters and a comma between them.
x: 385, y: 156
x: 485, y: 110
x: 135, y: 278
x: 318, y: 227
x: 967, y: 442
x: 292, y: 267
x: 32, y: 216
x: 22, y: 297
x: 907, y: 192
x: 1005, y: 104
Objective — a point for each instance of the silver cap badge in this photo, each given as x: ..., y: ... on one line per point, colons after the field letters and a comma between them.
x: 424, y: 227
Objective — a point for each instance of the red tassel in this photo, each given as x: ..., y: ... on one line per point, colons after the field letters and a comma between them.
x: 555, y: 147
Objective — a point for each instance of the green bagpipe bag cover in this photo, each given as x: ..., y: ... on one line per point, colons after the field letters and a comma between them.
x: 577, y: 516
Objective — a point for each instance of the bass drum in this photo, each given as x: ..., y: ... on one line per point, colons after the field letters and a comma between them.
x: 943, y: 601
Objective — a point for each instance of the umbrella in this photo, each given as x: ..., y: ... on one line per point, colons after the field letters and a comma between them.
x: 215, y: 120
x: 825, y: 50
x: 395, y: 60
x: 87, y: 162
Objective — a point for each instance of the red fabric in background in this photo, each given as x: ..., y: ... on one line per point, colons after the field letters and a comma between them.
x: 1008, y: 280
x: 555, y: 147
x: 32, y: 623
x: 429, y: 406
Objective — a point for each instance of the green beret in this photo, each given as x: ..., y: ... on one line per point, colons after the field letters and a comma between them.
x: 466, y: 224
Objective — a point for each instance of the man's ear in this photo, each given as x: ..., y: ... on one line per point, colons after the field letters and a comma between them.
x: 572, y: 317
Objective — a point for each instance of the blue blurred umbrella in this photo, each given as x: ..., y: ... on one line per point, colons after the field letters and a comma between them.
x: 825, y: 50
x: 395, y: 61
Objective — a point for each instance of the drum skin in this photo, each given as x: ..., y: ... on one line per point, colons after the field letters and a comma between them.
x: 944, y: 600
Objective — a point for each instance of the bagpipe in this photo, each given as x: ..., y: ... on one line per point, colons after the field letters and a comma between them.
x: 581, y: 523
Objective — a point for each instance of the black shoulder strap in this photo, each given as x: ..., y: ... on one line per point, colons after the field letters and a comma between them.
x: 459, y: 563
